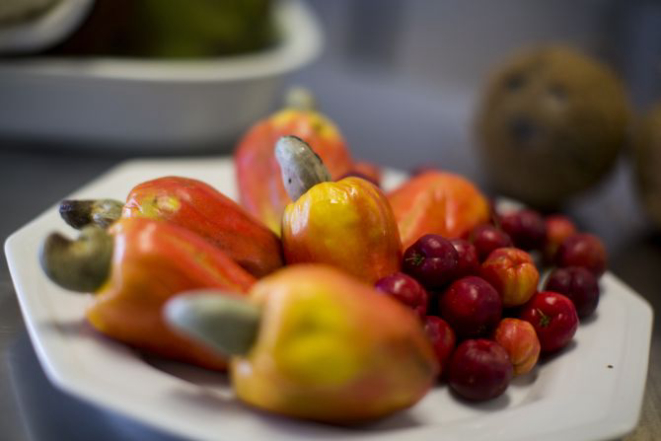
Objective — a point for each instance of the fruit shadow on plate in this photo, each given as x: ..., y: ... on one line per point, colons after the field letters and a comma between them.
x: 499, y: 403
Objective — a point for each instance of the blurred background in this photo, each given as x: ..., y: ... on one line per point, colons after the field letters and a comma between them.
x: 118, y: 81
x: 402, y: 79
x: 427, y: 63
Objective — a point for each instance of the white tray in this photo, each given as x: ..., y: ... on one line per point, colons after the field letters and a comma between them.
x: 153, y: 104
x: 593, y: 390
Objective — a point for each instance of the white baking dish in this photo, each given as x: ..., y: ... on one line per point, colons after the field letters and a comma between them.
x: 152, y: 104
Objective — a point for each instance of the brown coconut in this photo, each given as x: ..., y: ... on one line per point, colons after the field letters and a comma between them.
x: 551, y: 124
x: 647, y: 162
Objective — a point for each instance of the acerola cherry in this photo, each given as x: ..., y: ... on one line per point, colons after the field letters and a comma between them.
x: 406, y: 290
x: 558, y: 228
x: 469, y: 263
x: 579, y: 285
x: 554, y: 318
x: 480, y: 370
x: 487, y: 238
x: 585, y: 250
x: 513, y: 273
x: 526, y: 228
x: 442, y: 339
x: 471, y: 306
x: 432, y: 260
x: 519, y: 339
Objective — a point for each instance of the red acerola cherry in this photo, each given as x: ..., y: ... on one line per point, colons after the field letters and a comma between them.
x: 471, y: 306
x: 469, y: 262
x: 432, y: 260
x: 487, y: 238
x: 558, y: 228
x: 480, y: 370
x: 442, y: 338
x: 526, y: 228
x: 579, y: 285
x: 585, y: 250
x: 406, y: 290
x: 554, y: 318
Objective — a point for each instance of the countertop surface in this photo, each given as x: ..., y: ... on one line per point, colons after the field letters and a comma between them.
x: 34, y: 178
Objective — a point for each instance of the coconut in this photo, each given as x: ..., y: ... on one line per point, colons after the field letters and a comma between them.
x: 551, y: 124
x: 647, y: 162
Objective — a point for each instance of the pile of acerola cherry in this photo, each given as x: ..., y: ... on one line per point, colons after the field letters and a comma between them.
x: 462, y: 289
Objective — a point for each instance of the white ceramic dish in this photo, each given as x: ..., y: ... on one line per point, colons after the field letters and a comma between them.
x: 47, y: 29
x: 153, y: 104
x: 593, y: 390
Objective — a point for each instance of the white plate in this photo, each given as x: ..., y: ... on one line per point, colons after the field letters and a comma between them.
x: 593, y: 390
x: 149, y: 103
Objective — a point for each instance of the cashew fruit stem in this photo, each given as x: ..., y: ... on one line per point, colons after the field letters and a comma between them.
x: 300, y: 98
x: 81, y: 265
x: 301, y: 167
x: 222, y: 321
x: 80, y: 213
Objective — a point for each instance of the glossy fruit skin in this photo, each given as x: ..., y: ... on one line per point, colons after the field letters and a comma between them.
x: 332, y: 349
x: 487, y: 238
x: 480, y: 370
x: 432, y: 260
x: 554, y: 318
x: 579, y: 285
x: 471, y: 306
x: 585, y: 250
x: 513, y: 273
x: 200, y: 208
x: 347, y: 224
x: 152, y: 262
x: 468, y: 261
x: 406, y: 290
x: 259, y: 179
x: 558, y: 228
x: 526, y: 228
x: 435, y: 202
x: 442, y: 338
x: 519, y: 339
